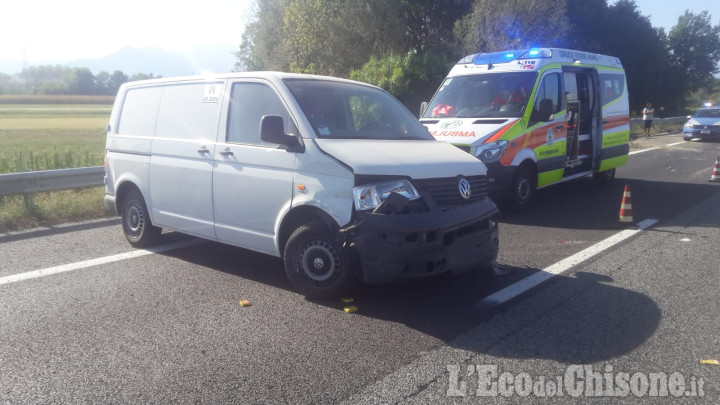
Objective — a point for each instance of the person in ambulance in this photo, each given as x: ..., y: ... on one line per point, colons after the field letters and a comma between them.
x: 513, y: 95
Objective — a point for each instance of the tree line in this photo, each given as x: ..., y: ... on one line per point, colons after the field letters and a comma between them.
x: 408, y: 46
x: 63, y: 80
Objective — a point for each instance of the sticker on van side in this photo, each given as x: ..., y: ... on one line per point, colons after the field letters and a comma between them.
x: 213, y: 93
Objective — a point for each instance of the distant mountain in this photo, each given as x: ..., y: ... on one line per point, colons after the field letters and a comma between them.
x: 216, y: 58
x: 210, y: 59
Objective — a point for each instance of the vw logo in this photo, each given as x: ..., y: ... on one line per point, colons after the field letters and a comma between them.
x: 464, y: 188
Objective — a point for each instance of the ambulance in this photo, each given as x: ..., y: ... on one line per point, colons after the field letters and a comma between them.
x: 535, y: 117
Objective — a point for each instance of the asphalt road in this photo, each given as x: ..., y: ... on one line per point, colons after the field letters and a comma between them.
x: 166, y: 327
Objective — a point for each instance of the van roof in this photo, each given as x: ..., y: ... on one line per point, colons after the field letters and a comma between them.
x: 531, y: 59
x: 237, y: 75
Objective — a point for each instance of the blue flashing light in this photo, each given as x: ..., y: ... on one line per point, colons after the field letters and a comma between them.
x: 535, y: 53
x: 496, y: 57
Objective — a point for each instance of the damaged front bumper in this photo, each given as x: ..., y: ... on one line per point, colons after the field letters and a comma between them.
x: 400, y: 247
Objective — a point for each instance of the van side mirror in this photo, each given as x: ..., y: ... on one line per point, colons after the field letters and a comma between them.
x: 423, y: 107
x: 272, y: 130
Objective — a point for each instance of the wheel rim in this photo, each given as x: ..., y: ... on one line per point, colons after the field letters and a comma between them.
x: 523, y: 189
x: 135, y: 219
x: 319, y: 263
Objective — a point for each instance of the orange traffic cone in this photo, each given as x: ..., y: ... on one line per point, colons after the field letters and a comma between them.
x: 716, y: 171
x: 626, y: 206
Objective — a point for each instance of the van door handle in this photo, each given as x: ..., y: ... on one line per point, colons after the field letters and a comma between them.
x: 203, y: 149
x: 226, y: 152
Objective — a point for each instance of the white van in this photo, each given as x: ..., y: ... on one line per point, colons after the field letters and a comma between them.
x: 334, y: 176
x: 535, y: 117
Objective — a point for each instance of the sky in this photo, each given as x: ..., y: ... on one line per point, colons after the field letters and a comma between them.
x: 38, y: 31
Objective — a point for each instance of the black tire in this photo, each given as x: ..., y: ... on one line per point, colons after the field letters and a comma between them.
x: 522, y: 189
x: 138, y: 228
x: 605, y: 177
x: 315, y: 264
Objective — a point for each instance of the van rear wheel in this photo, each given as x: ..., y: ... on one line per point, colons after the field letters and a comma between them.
x: 604, y: 177
x: 314, y: 262
x: 138, y: 228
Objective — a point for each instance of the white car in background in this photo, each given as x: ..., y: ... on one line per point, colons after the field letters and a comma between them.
x: 704, y: 124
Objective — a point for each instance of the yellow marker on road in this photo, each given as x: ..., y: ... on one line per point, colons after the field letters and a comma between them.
x: 350, y: 309
x: 713, y: 362
x: 347, y: 300
x: 245, y: 303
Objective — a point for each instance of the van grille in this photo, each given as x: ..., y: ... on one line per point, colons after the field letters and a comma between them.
x: 445, y: 193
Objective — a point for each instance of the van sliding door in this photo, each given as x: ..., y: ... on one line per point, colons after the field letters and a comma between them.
x: 181, y: 163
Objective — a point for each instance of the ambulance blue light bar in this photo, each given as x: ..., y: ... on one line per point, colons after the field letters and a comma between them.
x: 496, y: 57
x: 505, y: 56
x: 536, y: 53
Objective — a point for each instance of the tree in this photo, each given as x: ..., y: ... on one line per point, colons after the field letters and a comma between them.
x: 336, y: 36
x: 411, y: 78
x: 511, y: 24
x: 115, y: 81
x: 620, y: 30
x: 80, y: 81
x: 695, y: 47
x: 262, y: 47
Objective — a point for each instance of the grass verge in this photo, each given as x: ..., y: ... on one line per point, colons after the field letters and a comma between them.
x: 636, y: 130
x: 51, y: 208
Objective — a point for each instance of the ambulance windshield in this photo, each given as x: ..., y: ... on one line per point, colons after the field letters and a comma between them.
x: 482, y: 96
x: 342, y: 110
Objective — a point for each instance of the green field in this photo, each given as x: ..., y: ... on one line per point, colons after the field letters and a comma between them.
x: 45, y: 136
x: 51, y: 136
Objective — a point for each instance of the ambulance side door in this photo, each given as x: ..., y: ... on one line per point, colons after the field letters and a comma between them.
x: 550, y: 131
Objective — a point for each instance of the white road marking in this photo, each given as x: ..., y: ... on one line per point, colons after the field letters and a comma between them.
x: 540, y: 277
x: 657, y: 147
x: 641, y: 151
x: 96, y: 262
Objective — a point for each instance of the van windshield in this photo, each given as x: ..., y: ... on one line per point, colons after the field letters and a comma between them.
x: 350, y: 111
x: 482, y: 96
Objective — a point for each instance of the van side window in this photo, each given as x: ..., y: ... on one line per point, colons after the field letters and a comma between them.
x: 547, y: 98
x: 248, y: 103
x: 612, y: 87
x: 139, y: 111
x: 183, y: 115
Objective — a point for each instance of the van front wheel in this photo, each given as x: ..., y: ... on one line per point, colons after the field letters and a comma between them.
x: 138, y: 228
x: 314, y: 262
x: 522, y: 188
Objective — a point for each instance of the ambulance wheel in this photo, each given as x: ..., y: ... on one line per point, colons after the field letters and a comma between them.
x: 522, y: 188
x: 138, y: 228
x: 314, y: 262
x: 605, y: 177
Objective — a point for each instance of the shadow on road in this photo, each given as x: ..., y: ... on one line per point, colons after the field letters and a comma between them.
x: 588, y: 321
x: 582, y: 204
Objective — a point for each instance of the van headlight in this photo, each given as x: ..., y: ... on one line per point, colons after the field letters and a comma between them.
x: 491, y: 152
x: 369, y: 196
